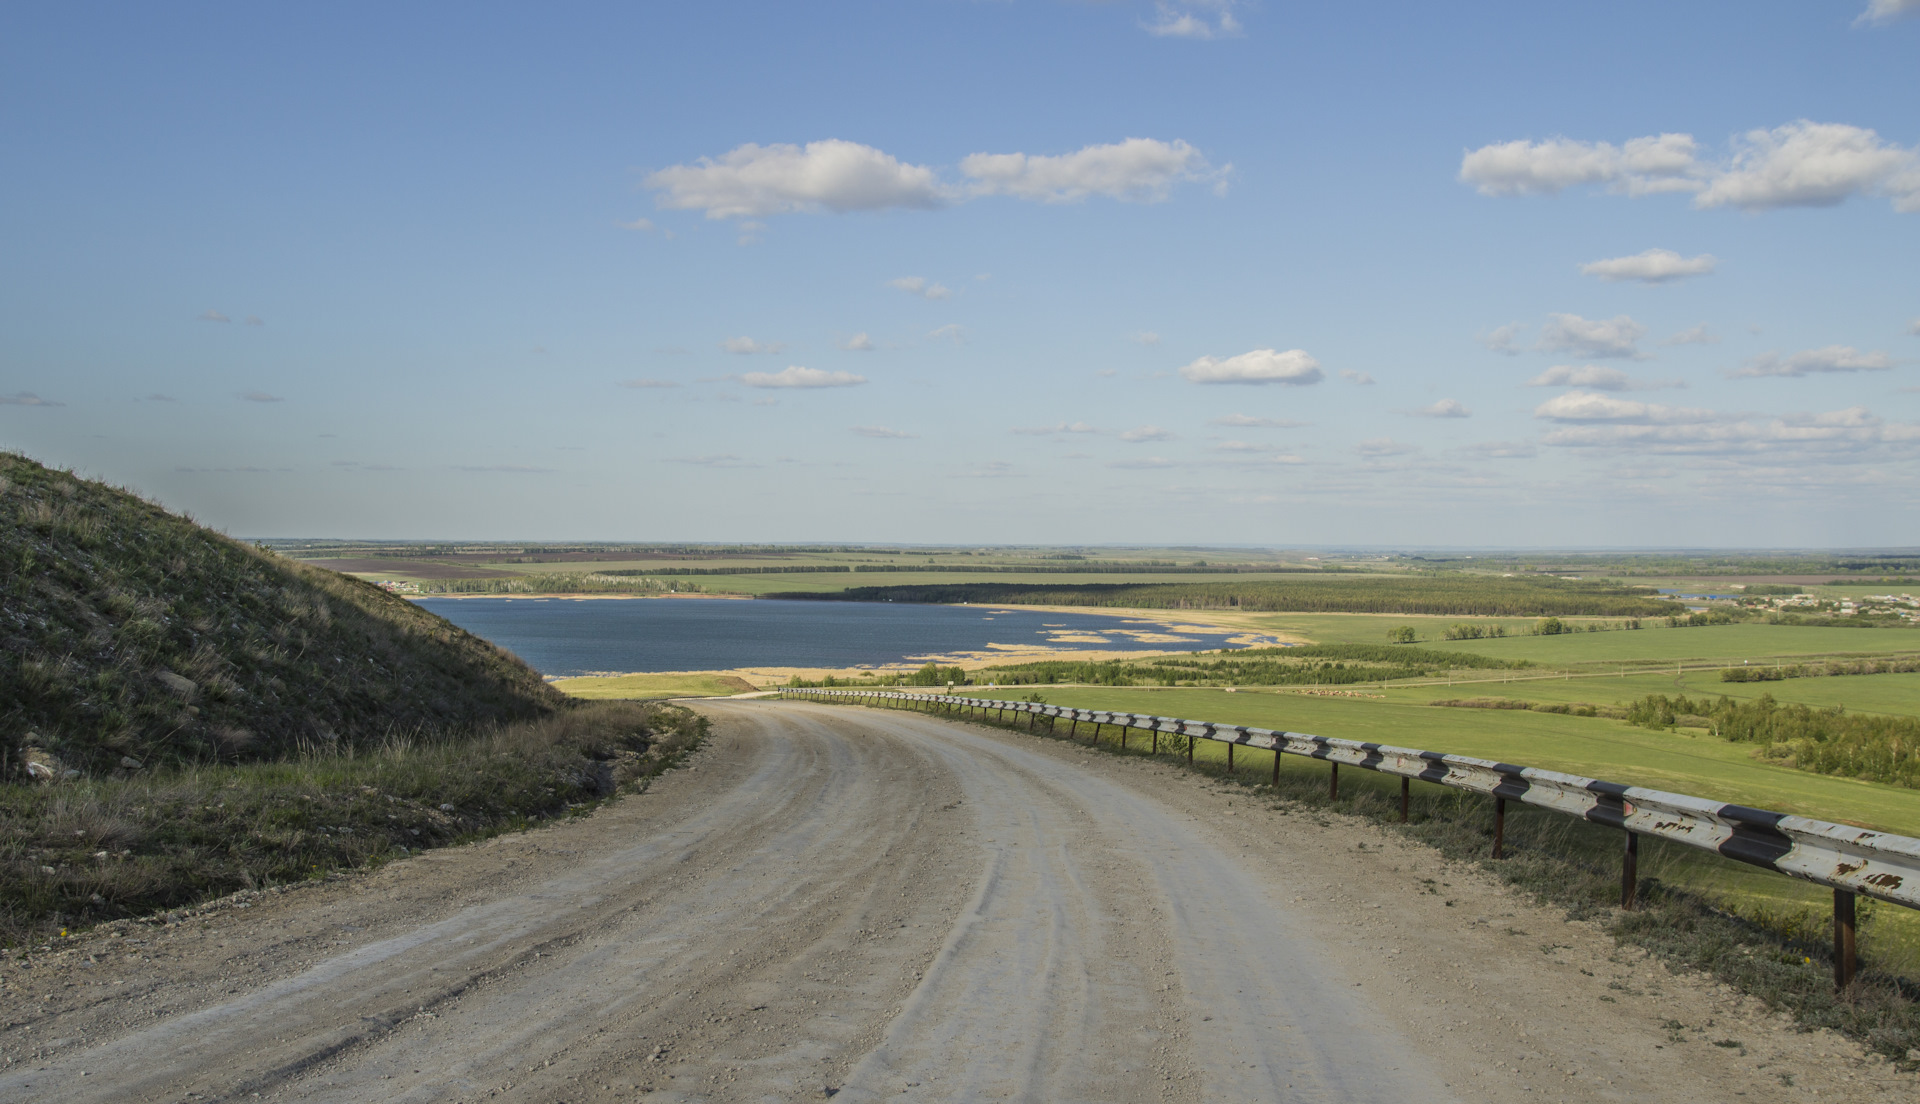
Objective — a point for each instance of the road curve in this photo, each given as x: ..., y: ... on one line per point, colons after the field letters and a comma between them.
x: 836, y: 901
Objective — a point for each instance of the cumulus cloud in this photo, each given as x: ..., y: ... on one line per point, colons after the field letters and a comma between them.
x: 1662, y: 163
x: 1596, y: 378
x: 1259, y: 366
x: 211, y: 315
x: 1141, y: 434
x: 1882, y: 12
x: 796, y: 376
x: 952, y: 331
x: 747, y: 346
x: 1148, y: 337
x: 754, y: 181
x: 1384, y: 446
x: 1588, y: 406
x: 1358, y: 379
x: 1502, y: 450
x: 1501, y: 339
x: 1249, y: 422
x: 1200, y: 19
x: 1141, y: 170
x: 1653, y: 266
x: 858, y: 343
x: 1603, y: 338
x: 26, y: 398
x: 1800, y: 164
x: 260, y: 397
x: 1694, y: 335
x: 1444, y: 408
x: 643, y: 384
x: 919, y: 285
x: 1831, y: 358
x: 882, y: 433
x: 1049, y: 431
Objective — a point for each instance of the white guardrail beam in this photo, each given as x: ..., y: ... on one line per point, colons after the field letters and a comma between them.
x: 1848, y: 859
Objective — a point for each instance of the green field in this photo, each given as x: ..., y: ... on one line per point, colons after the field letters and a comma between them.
x: 1895, y: 694
x: 697, y: 684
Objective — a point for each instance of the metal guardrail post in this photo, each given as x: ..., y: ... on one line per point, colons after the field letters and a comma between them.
x: 1276, y: 769
x: 1499, y: 825
x: 1333, y: 782
x: 1229, y: 758
x: 1406, y: 791
x: 1190, y: 742
x: 1845, y: 962
x: 1630, y: 872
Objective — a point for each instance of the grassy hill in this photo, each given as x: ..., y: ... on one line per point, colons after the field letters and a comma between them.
x: 132, y: 638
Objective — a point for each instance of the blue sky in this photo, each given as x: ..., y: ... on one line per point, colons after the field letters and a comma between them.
x: 977, y: 272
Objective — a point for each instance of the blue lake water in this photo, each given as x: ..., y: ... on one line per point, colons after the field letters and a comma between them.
x: 564, y: 637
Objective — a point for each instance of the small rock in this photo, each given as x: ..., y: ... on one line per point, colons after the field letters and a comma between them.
x: 48, y: 870
x: 179, y: 684
x: 446, y: 808
x: 129, y: 762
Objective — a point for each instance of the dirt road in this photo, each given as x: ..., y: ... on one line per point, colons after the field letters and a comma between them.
x: 868, y: 904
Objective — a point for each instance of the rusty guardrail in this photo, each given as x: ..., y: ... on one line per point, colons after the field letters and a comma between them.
x: 1851, y: 860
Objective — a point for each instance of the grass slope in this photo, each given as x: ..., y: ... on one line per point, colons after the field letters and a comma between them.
x: 131, y: 637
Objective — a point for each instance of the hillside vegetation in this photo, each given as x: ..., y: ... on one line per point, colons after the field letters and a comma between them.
x: 131, y: 639
x: 1450, y: 595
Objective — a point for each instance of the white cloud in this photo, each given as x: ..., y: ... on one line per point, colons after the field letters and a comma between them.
x: 260, y: 397
x: 1806, y: 164
x: 747, y: 346
x: 952, y: 331
x: 1249, y: 422
x: 1049, y: 431
x: 754, y: 181
x: 1640, y: 166
x: 1882, y: 12
x: 919, y: 285
x: 1140, y: 434
x: 1501, y: 339
x: 1197, y: 19
x: 1595, y: 337
x: 796, y: 376
x: 1137, y: 169
x: 882, y: 432
x: 1384, y: 446
x: 858, y: 343
x: 715, y: 460
x: 646, y: 226
x: 28, y: 398
x: 1358, y: 379
x: 1502, y: 450
x: 1596, y: 378
x: 1800, y: 164
x: 1913, y: 327
x: 1144, y: 337
x: 644, y: 384
x: 1803, y: 437
x: 211, y: 315
x: 1444, y: 408
x: 1587, y: 406
x: 1149, y: 462
x: 1832, y: 358
x: 255, y: 320
x: 750, y: 232
x: 1259, y: 366
x: 1654, y: 266
x: 1694, y: 335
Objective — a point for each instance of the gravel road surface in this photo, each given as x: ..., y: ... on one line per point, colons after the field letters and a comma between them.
x: 863, y: 904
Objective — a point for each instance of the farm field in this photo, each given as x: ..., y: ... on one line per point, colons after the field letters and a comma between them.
x: 1897, y: 694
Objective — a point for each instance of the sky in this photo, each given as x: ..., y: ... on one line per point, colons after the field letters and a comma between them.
x: 958, y: 271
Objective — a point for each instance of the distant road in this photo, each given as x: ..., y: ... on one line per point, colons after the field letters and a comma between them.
x: 874, y: 904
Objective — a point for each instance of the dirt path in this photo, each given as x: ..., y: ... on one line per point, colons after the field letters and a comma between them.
x: 866, y: 904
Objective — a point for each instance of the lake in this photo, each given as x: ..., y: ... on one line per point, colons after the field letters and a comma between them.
x: 565, y: 637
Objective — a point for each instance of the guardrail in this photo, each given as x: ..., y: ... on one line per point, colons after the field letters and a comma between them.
x: 1853, y: 861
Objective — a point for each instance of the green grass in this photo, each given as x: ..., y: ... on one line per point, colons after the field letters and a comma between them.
x: 91, y: 850
x: 646, y: 686
x: 1728, y: 643
x: 1897, y: 694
